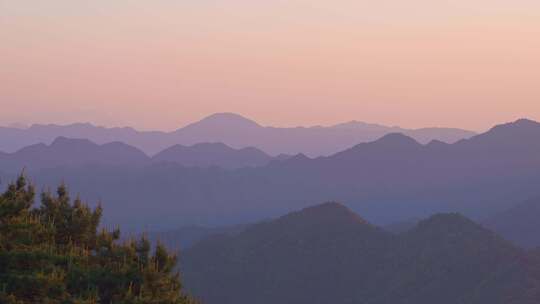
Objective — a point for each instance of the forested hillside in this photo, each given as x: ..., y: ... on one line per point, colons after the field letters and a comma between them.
x: 328, y: 254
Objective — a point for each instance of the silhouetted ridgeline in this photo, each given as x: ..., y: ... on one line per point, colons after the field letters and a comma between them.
x: 328, y: 254
x: 388, y: 180
x: 214, y: 154
x: 230, y: 129
x: 65, y: 152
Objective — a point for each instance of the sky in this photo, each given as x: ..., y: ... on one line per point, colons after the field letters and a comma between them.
x: 162, y: 64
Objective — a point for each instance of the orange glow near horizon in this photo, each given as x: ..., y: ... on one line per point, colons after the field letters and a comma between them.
x: 163, y: 64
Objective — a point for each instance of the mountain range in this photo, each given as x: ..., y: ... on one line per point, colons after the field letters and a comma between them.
x: 68, y: 152
x: 328, y: 254
x: 230, y: 129
x: 215, y: 154
x: 391, y: 179
x: 416, y: 247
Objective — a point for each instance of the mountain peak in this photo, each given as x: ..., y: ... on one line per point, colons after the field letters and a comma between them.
x: 211, y: 154
x: 525, y: 121
x: 228, y: 118
x: 522, y: 131
x: 326, y: 214
x: 437, y: 144
x: 397, y: 140
x: 212, y: 127
x: 355, y: 124
x: 522, y: 124
x: 449, y: 224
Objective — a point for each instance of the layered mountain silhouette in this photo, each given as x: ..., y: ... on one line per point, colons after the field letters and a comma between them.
x: 392, y: 179
x: 68, y: 152
x: 520, y: 224
x: 328, y: 254
x: 230, y: 129
x: 71, y: 152
x: 214, y: 154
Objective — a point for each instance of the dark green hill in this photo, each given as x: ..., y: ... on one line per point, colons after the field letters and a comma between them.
x: 447, y: 258
x: 275, y: 262
x: 328, y: 254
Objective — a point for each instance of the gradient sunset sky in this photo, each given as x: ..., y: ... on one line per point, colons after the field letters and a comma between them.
x: 161, y: 64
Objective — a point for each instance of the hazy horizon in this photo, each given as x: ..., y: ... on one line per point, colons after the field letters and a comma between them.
x: 23, y: 125
x: 162, y: 65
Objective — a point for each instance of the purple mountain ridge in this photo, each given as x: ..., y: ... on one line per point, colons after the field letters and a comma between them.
x: 391, y: 179
x: 214, y: 154
x: 329, y: 254
x: 69, y: 152
x: 231, y: 129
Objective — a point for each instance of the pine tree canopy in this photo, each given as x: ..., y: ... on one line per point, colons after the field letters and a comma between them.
x: 57, y: 253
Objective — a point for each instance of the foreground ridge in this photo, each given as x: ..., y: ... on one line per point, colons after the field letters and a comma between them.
x: 328, y: 254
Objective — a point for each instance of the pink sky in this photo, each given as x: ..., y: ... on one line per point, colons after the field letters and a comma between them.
x: 161, y: 64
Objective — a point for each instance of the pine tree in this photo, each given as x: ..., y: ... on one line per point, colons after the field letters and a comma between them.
x: 56, y: 253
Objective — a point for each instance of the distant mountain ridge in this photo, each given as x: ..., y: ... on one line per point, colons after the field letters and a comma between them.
x: 232, y: 130
x: 214, y: 154
x: 328, y: 254
x: 73, y: 152
x: 480, y: 177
